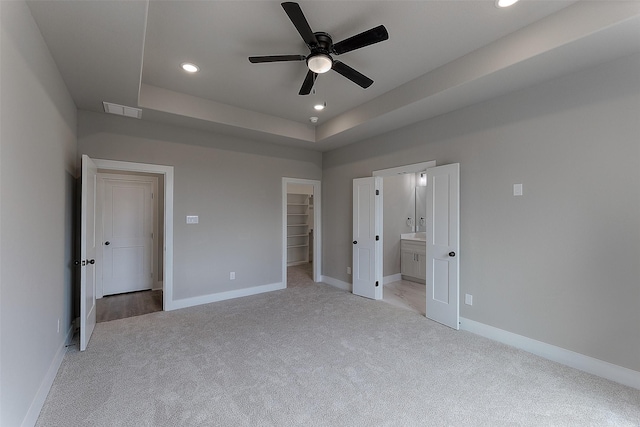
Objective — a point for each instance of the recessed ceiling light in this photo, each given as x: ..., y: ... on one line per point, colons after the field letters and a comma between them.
x: 320, y: 107
x: 189, y: 67
x: 505, y: 3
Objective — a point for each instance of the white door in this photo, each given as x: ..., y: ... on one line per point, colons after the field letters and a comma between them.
x: 127, y: 236
x: 367, y: 241
x: 443, y: 230
x: 87, y: 251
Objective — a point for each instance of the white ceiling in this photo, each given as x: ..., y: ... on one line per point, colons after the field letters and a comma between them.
x: 441, y: 55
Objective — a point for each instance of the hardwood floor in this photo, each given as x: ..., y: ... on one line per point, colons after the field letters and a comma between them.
x: 131, y: 304
x: 408, y: 295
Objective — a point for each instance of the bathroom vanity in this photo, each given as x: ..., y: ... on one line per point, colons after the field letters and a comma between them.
x: 413, y: 252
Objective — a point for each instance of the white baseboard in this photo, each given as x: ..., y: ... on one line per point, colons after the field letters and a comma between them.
x: 391, y: 278
x: 221, y: 296
x: 336, y: 283
x: 38, y: 401
x: 566, y: 357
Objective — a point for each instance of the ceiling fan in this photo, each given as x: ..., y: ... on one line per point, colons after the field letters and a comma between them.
x: 322, y: 47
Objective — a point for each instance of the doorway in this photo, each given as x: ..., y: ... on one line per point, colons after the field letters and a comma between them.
x: 130, y: 240
x: 163, y: 271
x: 432, y: 254
x: 301, y: 237
x: 403, y: 219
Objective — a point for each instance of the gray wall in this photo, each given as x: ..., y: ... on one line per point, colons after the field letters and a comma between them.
x: 561, y: 264
x: 37, y: 166
x: 398, y: 204
x: 233, y: 185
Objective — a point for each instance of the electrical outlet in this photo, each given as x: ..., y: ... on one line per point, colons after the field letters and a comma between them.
x: 348, y: 270
x: 192, y: 219
x: 232, y: 275
x: 468, y: 299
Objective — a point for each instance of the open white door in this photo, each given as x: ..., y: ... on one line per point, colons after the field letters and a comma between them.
x: 367, y: 244
x: 443, y: 230
x: 87, y: 251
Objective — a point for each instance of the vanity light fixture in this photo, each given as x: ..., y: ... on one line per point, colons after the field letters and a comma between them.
x: 505, y: 3
x: 189, y: 67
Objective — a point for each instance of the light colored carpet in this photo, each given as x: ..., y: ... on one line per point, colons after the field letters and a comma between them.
x: 313, y: 355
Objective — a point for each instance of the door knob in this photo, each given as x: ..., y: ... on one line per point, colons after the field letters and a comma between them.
x: 92, y: 261
x: 107, y: 243
x: 355, y: 242
x: 452, y: 254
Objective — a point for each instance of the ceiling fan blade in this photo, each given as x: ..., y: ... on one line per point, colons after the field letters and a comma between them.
x: 369, y: 37
x: 307, y: 85
x: 353, y: 75
x: 300, y: 22
x: 276, y: 58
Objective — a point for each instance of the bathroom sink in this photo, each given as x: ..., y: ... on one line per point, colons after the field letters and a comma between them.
x: 414, y: 236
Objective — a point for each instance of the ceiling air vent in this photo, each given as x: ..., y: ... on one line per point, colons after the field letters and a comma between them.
x: 122, y: 110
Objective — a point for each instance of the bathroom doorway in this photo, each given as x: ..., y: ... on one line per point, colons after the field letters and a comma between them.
x: 301, y: 231
x: 404, y: 213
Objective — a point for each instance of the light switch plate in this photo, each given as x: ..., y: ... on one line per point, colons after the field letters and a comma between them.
x: 468, y: 299
x: 192, y: 219
x: 517, y: 189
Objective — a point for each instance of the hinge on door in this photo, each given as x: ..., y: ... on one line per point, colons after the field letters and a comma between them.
x: 377, y: 192
x: 377, y: 237
x: 152, y: 195
x: 377, y: 283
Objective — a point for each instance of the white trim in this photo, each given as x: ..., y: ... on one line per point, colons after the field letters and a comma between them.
x: 221, y: 296
x: 167, y: 171
x: 38, y: 401
x: 566, y: 357
x: 317, y: 226
x: 392, y: 278
x: 414, y: 168
x: 336, y: 283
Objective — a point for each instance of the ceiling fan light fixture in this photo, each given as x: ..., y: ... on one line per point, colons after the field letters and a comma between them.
x: 319, y: 63
x: 505, y: 3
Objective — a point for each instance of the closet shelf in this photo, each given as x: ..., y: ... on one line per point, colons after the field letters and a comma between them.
x: 299, y: 239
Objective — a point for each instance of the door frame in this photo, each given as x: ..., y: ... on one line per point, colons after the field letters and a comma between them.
x: 102, y: 177
x: 167, y: 172
x: 317, y: 226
